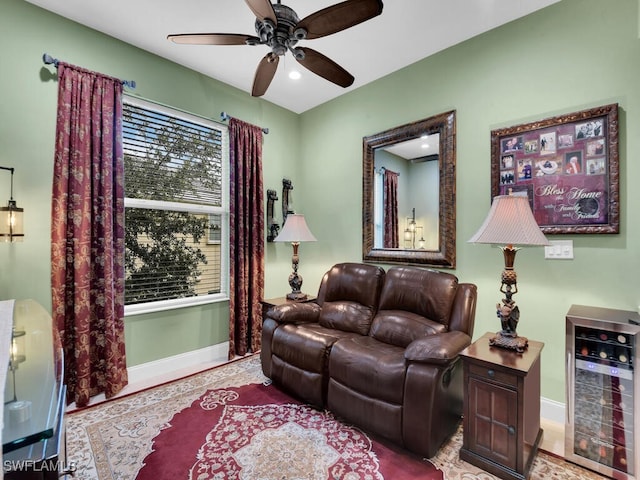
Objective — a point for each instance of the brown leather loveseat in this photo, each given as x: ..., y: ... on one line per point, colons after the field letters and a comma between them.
x: 379, y: 349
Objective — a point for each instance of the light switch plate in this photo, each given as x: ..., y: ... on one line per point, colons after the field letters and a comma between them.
x: 559, y: 250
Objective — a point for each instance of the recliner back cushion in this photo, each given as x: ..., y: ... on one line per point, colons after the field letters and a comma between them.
x: 427, y: 293
x: 351, y: 294
x: 414, y: 303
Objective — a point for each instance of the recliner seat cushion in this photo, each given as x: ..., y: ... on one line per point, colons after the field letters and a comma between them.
x: 303, y: 347
x: 306, y: 346
x: 372, y: 368
x: 300, y: 359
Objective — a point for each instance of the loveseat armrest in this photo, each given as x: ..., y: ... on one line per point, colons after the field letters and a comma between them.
x: 308, y: 312
x: 439, y: 349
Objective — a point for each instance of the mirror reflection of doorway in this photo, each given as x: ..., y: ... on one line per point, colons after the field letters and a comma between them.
x: 415, y: 162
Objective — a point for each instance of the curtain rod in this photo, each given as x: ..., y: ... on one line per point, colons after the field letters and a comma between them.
x: 224, y: 116
x: 384, y: 169
x: 49, y: 60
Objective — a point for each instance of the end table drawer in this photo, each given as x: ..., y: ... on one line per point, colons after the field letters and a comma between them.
x: 493, y: 375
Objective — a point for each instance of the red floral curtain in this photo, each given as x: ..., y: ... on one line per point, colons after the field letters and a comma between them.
x: 390, y: 195
x: 246, y: 279
x: 87, y: 233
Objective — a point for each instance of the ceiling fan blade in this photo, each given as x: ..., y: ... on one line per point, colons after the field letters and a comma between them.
x: 262, y: 9
x: 264, y: 74
x: 339, y: 17
x: 212, y: 38
x: 325, y: 67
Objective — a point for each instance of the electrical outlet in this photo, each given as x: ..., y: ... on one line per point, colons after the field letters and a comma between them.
x: 559, y: 250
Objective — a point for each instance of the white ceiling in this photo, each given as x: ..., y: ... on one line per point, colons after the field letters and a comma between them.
x: 407, y: 31
x: 424, y: 146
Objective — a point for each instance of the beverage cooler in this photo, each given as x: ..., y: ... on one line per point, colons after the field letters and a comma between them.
x: 602, y: 430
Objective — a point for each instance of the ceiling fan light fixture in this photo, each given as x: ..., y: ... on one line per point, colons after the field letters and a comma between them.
x: 300, y: 33
x: 278, y: 27
x: 279, y: 49
x: 298, y: 53
x: 295, y: 75
x: 265, y: 28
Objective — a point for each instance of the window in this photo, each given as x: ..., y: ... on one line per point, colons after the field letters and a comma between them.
x: 215, y: 228
x: 176, y: 208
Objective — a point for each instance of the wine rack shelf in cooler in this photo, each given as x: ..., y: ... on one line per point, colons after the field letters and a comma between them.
x: 602, y: 390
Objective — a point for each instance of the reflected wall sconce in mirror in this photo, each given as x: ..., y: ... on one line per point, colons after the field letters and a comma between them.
x: 295, y: 230
x: 411, y: 232
x: 509, y: 222
x: 11, y: 217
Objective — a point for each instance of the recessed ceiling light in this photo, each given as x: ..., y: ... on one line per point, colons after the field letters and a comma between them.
x: 294, y: 75
x: 425, y: 145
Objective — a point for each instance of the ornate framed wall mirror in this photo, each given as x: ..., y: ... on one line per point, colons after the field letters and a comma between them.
x: 409, y: 198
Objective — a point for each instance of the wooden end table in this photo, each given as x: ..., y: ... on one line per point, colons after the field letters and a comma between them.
x: 501, y: 408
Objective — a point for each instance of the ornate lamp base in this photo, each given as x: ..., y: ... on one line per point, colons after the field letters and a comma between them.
x: 295, y: 281
x: 519, y: 344
x: 507, y: 311
x: 297, y: 296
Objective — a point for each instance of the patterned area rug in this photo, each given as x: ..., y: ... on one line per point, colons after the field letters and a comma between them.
x: 146, y: 435
x: 257, y: 432
x: 227, y: 423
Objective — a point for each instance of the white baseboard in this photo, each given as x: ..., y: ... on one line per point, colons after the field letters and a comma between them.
x: 552, y: 410
x: 205, y: 357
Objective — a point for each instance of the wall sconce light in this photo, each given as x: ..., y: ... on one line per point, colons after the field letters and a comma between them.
x: 272, y: 223
x: 11, y: 217
x: 411, y: 231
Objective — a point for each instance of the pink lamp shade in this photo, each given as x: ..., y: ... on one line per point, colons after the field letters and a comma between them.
x: 295, y: 230
x: 510, y: 221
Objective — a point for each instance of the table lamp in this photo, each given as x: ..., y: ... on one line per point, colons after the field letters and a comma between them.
x: 509, y: 222
x: 295, y: 230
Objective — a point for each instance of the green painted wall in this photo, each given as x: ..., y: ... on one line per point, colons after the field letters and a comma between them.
x: 573, y: 55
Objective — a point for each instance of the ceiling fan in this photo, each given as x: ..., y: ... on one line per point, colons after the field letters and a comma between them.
x: 279, y: 27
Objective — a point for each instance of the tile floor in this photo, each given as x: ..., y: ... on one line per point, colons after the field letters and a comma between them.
x: 553, y: 437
